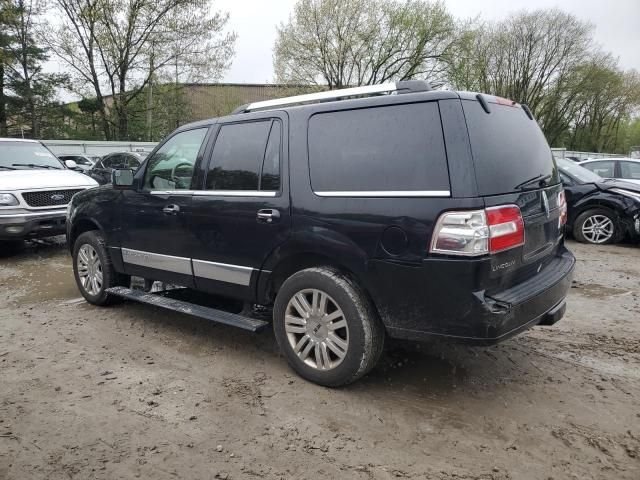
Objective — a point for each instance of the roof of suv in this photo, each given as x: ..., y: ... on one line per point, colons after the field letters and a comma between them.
x: 367, y: 96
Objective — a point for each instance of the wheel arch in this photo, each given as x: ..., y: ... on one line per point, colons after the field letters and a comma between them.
x: 79, y: 227
x: 307, y: 251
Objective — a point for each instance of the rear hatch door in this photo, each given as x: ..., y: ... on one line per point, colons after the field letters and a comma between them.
x: 514, y: 165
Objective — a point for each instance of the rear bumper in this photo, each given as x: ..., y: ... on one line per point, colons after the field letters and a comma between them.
x: 16, y: 225
x: 446, y: 306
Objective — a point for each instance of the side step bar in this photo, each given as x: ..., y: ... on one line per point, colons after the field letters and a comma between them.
x: 208, y: 313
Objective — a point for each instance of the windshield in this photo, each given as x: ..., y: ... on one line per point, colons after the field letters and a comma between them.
x: 27, y: 155
x: 577, y: 172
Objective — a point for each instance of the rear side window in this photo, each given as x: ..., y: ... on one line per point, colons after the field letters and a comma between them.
x: 605, y: 169
x: 508, y: 149
x: 397, y: 148
x: 246, y: 156
x: 630, y: 170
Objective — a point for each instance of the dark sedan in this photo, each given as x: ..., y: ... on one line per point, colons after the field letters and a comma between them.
x: 101, y: 171
x: 600, y: 210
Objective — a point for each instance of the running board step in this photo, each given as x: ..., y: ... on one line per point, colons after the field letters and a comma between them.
x: 208, y: 313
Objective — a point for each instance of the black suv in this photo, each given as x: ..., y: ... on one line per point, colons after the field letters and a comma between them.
x: 390, y: 210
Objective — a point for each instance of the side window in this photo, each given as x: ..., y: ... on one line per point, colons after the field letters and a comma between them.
x: 109, y: 161
x: 630, y: 170
x: 605, y: 169
x: 132, y: 162
x: 238, y: 156
x: 390, y: 149
x: 171, y: 167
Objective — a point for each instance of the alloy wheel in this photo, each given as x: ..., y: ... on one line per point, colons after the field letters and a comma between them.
x: 316, y: 329
x: 89, y: 269
x: 598, y: 229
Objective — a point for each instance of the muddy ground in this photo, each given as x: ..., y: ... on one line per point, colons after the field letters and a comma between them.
x: 132, y: 391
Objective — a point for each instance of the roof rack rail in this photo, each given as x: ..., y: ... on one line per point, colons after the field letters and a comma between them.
x: 409, y: 86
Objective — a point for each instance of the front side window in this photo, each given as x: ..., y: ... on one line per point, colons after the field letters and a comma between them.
x: 113, y: 161
x: 133, y: 162
x: 246, y: 157
x: 392, y: 150
x: 172, y: 166
x: 605, y: 169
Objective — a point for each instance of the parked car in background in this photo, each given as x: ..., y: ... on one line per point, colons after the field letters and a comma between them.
x: 83, y: 162
x: 101, y: 171
x: 421, y: 215
x: 624, y: 168
x: 35, y: 188
x: 600, y: 210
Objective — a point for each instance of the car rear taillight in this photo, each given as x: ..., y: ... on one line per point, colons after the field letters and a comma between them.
x: 506, y: 228
x: 562, y: 204
x: 478, y: 232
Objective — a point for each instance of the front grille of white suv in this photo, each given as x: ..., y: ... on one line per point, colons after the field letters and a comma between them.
x: 49, y: 198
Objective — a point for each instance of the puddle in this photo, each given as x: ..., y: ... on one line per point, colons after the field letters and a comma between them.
x: 422, y: 372
x: 37, y: 272
x: 593, y: 290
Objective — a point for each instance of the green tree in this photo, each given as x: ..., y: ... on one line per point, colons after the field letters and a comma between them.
x: 33, y: 88
x: 118, y: 46
x: 342, y: 43
x: 6, y: 60
x: 547, y: 59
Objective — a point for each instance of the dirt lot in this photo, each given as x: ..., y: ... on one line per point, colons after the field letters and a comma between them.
x: 131, y: 391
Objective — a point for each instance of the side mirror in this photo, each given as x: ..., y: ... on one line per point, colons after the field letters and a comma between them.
x: 122, y: 179
x: 71, y: 164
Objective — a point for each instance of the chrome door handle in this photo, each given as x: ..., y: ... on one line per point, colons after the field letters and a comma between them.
x: 268, y: 215
x: 171, y: 209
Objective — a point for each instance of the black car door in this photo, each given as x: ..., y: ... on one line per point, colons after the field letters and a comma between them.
x: 155, y: 237
x: 242, y: 214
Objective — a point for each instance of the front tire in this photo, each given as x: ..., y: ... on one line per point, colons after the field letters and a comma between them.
x: 598, y: 226
x: 327, y: 327
x: 93, y: 269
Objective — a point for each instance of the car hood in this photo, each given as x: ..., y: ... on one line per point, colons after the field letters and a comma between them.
x: 37, y: 179
x: 615, y: 183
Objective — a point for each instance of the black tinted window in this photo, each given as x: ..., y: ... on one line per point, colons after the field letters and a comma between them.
x: 270, y: 179
x: 393, y: 148
x: 508, y: 148
x: 237, y: 156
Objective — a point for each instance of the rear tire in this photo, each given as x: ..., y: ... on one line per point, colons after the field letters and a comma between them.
x: 93, y: 269
x: 598, y: 226
x: 327, y: 327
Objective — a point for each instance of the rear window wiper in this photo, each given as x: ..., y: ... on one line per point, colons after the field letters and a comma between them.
x: 34, y: 165
x: 8, y: 168
x: 540, y: 179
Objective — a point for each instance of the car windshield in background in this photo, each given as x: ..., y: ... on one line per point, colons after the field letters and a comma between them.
x: 27, y: 155
x: 576, y: 171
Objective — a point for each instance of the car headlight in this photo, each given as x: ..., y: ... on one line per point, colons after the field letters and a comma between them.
x: 7, y: 200
x: 626, y: 193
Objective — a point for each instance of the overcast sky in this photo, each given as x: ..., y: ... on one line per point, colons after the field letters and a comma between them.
x: 617, y: 27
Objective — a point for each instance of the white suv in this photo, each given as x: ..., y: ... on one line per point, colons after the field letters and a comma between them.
x: 35, y: 188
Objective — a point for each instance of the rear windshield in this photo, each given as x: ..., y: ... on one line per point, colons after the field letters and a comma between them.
x: 397, y: 148
x: 509, y: 149
x: 26, y: 155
